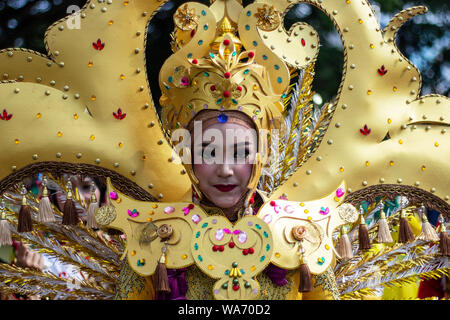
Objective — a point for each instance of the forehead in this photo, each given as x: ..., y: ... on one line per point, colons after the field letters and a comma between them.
x: 230, y: 133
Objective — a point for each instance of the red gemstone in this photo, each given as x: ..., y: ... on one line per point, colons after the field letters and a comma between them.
x: 272, y: 203
x: 231, y: 244
x: 226, y: 42
x: 221, y: 248
x: 226, y: 94
x: 193, y: 33
x: 251, y: 54
x: 191, y: 206
x: 303, y: 42
x: 236, y: 287
x: 215, y: 248
x: 382, y: 71
x: 194, y: 61
x: 251, y: 250
x: 239, y: 88
x: 227, y: 75
x: 245, y: 252
x: 119, y: 115
x: 365, y: 131
x: 5, y: 115
x: 212, y: 88
x: 98, y: 45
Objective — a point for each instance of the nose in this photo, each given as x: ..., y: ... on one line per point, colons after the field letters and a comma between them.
x: 224, y: 170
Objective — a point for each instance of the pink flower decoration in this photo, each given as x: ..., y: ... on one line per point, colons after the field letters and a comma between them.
x: 324, y: 211
x: 133, y: 213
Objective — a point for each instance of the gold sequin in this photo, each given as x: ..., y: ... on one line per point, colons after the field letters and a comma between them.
x: 133, y: 253
x: 38, y: 116
x: 184, y: 256
x: 277, y: 254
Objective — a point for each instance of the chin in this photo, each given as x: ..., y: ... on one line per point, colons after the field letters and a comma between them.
x: 225, y: 202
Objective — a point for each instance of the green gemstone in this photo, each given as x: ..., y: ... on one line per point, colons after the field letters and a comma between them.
x: 235, y: 281
x: 234, y: 264
x: 225, y: 285
x: 247, y: 285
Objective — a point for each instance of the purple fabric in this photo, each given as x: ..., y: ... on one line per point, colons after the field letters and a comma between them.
x: 277, y: 275
x: 178, y: 286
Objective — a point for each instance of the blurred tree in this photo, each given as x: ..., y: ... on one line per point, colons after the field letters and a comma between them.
x: 424, y: 40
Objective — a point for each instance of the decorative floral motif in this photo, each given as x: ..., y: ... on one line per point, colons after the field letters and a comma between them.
x: 365, y: 131
x: 268, y: 18
x: 185, y: 18
x: 99, y: 45
x: 133, y: 213
x: 119, y: 115
x: 382, y: 71
x: 324, y: 211
x: 5, y: 116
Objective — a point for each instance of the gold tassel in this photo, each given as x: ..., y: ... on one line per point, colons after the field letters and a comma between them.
x: 305, y: 284
x: 405, y: 233
x: 384, y: 234
x: 444, y: 242
x: 5, y: 232
x: 93, y: 206
x: 70, y: 214
x: 344, y: 247
x: 45, y: 214
x: 363, y: 233
x: 25, y: 224
x: 161, y: 280
x: 428, y: 232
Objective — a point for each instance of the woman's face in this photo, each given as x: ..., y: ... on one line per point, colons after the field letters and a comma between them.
x: 226, y: 162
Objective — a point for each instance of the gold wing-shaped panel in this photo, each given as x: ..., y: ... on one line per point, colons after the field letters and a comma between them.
x: 151, y: 229
x: 316, y: 219
x: 382, y: 131
x: 88, y: 101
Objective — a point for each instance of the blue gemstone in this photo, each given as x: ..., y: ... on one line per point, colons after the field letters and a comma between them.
x: 203, y: 13
x: 234, y: 53
x: 167, y: 87
x: 249, y: 13
x: 205, y: 27
x: 206, y: 74
x: 205, y: 225
x: 279, y: 80
x: 200, y: 258
x: 266, y: 234
x: 283, y: 95
x: 227, y: 272
x: 197, y: 234
x: 247, y: 27
x: 200, y: 42
x: 211, y: 55
x: 222, y: 118
x: 246, y: 71
x: 170, y: 79
x: 264, y: 57
x: 258, y: 226
x: 255, y: 43
x: 262, y: 258
x: 189, y: 55
x: 196, y: 246
x: 234, y: 101
x: 277, y: 67
x: 268, y: 247
x: 242, y: 271
x: 219, y: 101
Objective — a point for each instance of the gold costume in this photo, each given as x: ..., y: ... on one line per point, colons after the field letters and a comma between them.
x: 86, y: 108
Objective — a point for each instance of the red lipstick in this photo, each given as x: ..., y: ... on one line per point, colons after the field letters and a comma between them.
x: 225, y: 187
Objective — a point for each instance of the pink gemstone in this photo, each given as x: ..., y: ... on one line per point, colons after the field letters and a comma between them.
x: 242, y: 237
x: 289, y: 209
x: 219, y: 234
x: 303, y: 42
x: 133, y: 213
x: 227, y: 231
x: 196, y: 218
x: 169, y: 210
x: 113, y: 195
x: 267, y: 218
x: 339, y: 192
x: 277, y: 208
x: 236, y: 231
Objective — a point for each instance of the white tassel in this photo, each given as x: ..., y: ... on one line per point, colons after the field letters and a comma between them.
x: 344, y: 247
x: 428, y: 232
x: 384, y: 234
x: 45, y: 214
x: 93, y: 206
x: 5, y: 232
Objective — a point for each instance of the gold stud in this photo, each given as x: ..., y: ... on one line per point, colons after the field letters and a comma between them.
x: 58, y: 155
x: 90, y: 64
x: 110, y: 22
x: 436, y: 144
x: 369, y: 92
x: 35, y: 156
x: 92, y: 137
x: 394, y: 89
x: 38, y: 115
x: 16, y: 141
x: 400, y: 141
x: 391, y: 163
x: 399, y: 180
x: 59, y: 134
x: 79, y: 155
x: 424, y: 168
x: 341, y: 169
x: 122, y: 77
x: 367, y: 163
x: 381, y: 180
x: 360, y: 21
x: 75, y: 116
